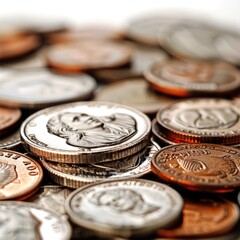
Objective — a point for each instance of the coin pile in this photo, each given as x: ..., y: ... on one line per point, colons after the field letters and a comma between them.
x: 79, y: 155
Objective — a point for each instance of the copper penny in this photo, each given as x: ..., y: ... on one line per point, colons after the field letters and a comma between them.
x: 201, y: 120
x: 20, y: 175
x: 204, y: 217
x: 8, y: 118
x: 193, y: 78
x: 199, y: 167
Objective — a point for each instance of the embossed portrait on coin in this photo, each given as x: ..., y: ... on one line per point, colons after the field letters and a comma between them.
x: 207, y: 118
x: 7, y: 173
x: 89, y: 131
x: 123, y: 201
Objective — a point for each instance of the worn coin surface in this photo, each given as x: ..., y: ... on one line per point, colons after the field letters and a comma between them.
x: 199, y: 167
x: 11, y: 141
x: 39, y: 88
x: 21, y: 220
x: 124, y: 208
x: 20, y: 175
x: 86, y: 132
x: 201, y: 120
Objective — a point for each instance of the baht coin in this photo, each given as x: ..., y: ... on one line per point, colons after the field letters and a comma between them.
x: 20, y: 175
x: 194, y: 78
x: 201, y: 120
x: 21, y: 220
x: 124, y: 208
x: 11, y: 141
x: 199, y: 167
x: 86, y: 132
x: 39, y: 88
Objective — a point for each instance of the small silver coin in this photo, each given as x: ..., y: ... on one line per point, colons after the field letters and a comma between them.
x: 11, y: 141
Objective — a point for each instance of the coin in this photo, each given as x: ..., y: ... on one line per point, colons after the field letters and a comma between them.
x: 39, y: 88
x: 9, y: 117
x: 204, y: 217
x: 239, y: 198
x: 194, y: 78
x: 201, y: 120
x: 75, y: 176
x: 87, y: 55
x: 11, y: 141
x: 199, y: 167
x: 135, y: 93
x: 86, y: 132
x: 124, y: 208
x: 21, y: 220
x: 20, y: 175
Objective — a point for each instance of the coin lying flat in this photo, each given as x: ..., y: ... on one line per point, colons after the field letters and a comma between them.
x: 21, y: 220
x: 86, y: 132
x: 199, y: 167
x: 39, y: 88
x: 20, y: 175
x: 11, y: 141
x: 194, y: 78
x: 124, y: 208
x: 201, y: 120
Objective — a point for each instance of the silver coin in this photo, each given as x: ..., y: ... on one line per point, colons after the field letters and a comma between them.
x: 41, y: 88
x: 86, y: 132
x: 239, y: 198
x: 21, y: 220
x: 124, y: 208
x: 11, y: 141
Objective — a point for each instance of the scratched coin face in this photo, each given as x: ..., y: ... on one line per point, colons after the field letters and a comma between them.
x: 21, y: 220
x: 124, y: 208
x: 199, y: 167
x: 19, y: 175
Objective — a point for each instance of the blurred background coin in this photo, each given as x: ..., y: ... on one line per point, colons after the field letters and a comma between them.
x: 11, y: 141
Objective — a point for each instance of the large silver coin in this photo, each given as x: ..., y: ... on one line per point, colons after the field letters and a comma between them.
x: 86, y: 132
x: 124, y: 208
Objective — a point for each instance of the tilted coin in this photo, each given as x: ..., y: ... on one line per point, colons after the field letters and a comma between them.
x: 11, y: 141
x: 86, y: 132
x: 201, y: 120
x: 199, y: 167
x: 124, y: 208
x: 239, y: 198
x: 21, y: 220
x: 39, y: 88
x: 194, y: 78
x: 75, y: 176
x: 20, y: 175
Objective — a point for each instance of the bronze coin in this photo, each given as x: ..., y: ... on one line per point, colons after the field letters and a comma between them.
x: 204, y: 217
x: 8, y: 119
x: 194, y: 78
x: 201, y: 120
x: 20, y: 175
x: 199, y: 167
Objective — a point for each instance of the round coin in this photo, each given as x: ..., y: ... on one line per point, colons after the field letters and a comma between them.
x: 21, y: 220
x: 194, y: 78
x: 124, y: 208
x: 86, y: 132
x: 39, y: 88
x: 20, y: 175
x: 199, y: 167
x: 201, y: 121
x: 11, y: 141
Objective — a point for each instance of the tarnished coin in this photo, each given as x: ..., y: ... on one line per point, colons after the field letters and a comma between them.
x: 124, y: 208
x: 199, y: 167
x: 39, y: 88
x: 87, y: 55
x: 135, y: 93
x: 86, y: 132
x: 194, y: 78
x: 201, y: 120
x: 21, y: 220
x: 75, y: 176
x: 9, y: 117
x: 20, y: 175
x: 204, y: 217
x: 11, y: 141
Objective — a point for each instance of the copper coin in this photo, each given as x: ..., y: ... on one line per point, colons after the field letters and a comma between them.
x: 194, y: 78
x: 8, y: 119
x: 87, y: 55
x: 20, y: 175
x: 201, y: 120
x: 199, y: 167
x: 204, y: 217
